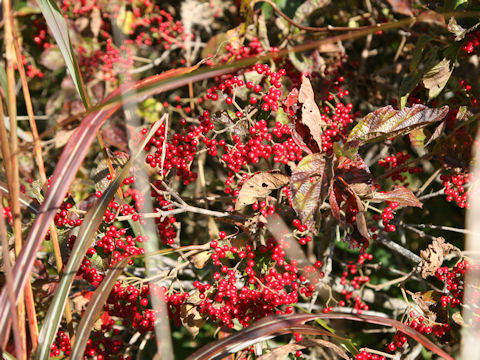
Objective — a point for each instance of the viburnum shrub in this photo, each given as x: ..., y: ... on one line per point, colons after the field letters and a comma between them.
x: 301, y: 158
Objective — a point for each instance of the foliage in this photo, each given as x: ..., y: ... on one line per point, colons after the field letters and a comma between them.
x: 257, y: 165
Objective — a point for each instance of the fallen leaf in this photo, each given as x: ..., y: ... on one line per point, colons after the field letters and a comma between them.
x: 433, y: 255
x: 260, y: 185
x: 310, y: 112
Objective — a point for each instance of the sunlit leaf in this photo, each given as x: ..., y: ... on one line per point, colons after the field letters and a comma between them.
x: 260, y: 185
x: 400, y: 194
x: 309, y: 187
x: 387, y: 122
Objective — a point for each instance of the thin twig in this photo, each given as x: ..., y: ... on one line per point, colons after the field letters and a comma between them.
x: 440, y: 227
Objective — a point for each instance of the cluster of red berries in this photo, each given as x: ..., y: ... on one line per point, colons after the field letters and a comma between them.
x: 397, y: 161
x: 454, y: 188
x: 251, y: 290
x: 454, y: 282
x: 472, y: 41
x: 387, y: 216
x: 156, y: 28
x: 351, y: 279
x: 61, y: 345
x: 365, y: 355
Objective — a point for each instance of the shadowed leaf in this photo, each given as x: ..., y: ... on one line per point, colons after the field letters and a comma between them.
x: 437, y: 77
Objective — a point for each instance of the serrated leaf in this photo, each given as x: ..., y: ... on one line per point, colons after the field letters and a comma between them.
x: 400, y: 194
x: 387, y: 122
x: 418, y: 51
x: 260, y: 185
x: 309, y: 187
x: 436, y: 78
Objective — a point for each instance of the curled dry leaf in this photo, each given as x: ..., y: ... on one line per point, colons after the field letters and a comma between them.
x: 259, y: 186
x: 310, y: 112
x: 387, y: 122
x: 432, y: 256
x: 309, y: 187
x: 190, y: 314
x: 400, y: 194
x: 437, y: 77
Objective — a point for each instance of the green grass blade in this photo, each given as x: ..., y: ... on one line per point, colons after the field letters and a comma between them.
x: 58, y: 25
x: 87, y: 231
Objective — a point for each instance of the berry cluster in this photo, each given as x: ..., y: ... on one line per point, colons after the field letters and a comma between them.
x: 454, y: 188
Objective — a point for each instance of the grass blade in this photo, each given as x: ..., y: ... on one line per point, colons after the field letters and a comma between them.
x: 58, y: 25
x: 284, y: 323
x: 87, y: 231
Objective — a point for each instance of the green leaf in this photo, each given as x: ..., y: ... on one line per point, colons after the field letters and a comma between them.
x: 58, y: 25
x: 87, y: 231
x: 309, y: 187
x: 387, y: 122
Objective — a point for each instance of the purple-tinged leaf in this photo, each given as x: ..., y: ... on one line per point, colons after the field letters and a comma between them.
x: 387, y: 122
x: 309, y: 187
x: 277, y: 324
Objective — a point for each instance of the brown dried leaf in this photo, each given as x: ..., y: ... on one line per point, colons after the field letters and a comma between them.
x: 437, y: 77
x: 52, y: 58
x: 431, y: 304
x: 199, y: 260
x: 400, y: 194
x: 95, y: 21
x: 403, y: 7
x: 430, y: 16
x: 281, y: 352
x: 310, y: 112
x: 190, y: 315
x: 259, y: 186
x: 328, y: 344
x: 432, y: 256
